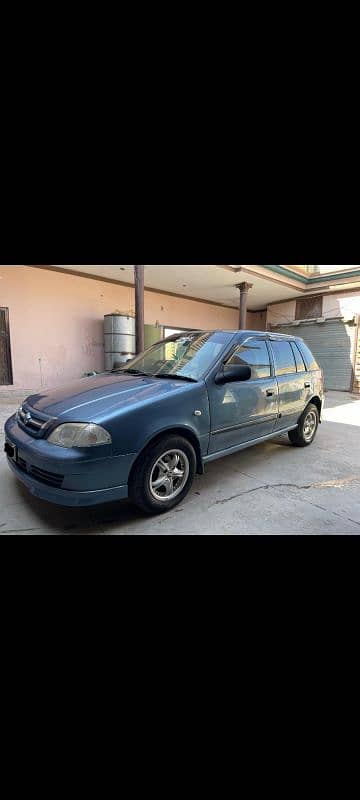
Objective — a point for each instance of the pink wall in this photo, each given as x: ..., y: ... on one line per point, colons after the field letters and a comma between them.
x: 256, y: 320
x: 56, y: 321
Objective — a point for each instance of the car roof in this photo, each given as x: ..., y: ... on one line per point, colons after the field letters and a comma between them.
x: 269, y: 335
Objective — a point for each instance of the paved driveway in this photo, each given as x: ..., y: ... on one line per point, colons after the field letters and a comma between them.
x: 271, y: 488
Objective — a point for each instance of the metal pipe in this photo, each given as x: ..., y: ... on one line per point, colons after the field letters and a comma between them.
x: 140, y: 307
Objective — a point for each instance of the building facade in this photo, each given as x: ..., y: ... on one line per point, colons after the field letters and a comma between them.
x: 329, y: 323
x: 51, y: 316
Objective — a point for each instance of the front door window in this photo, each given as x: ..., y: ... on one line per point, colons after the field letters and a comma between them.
x: 254, y: 354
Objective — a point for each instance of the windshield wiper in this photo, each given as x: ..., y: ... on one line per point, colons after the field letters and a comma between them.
x: 132, y: 372
x: 175, y: 375
x: 150, y: 375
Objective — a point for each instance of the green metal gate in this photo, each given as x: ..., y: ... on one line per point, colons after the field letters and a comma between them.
x: 333, y: 344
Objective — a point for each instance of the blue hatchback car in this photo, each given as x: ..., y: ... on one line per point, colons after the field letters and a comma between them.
x: 144, y: 430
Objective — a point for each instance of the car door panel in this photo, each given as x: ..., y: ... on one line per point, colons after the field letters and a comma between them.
x: 291, y: 400
x: 291, y: 382
x: 243, y: 411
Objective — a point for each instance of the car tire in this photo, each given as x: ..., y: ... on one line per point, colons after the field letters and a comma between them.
x: 306, y: 431
x: 163, y: 475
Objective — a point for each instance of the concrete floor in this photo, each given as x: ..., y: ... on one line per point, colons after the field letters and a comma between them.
x: 269, y: 489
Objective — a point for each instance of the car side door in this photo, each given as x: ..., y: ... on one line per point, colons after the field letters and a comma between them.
x: 245, y: 410
x: 290, y: 372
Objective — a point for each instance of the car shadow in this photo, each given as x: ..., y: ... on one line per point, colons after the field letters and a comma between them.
x: 73, y: 520
x: 111, y: 516
x: 123, y: 515
x: 335, y: 399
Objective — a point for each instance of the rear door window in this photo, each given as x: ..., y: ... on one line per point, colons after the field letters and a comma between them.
x: 284, y: 358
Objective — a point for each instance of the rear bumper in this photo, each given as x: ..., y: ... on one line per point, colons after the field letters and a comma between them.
x: 64, y: 497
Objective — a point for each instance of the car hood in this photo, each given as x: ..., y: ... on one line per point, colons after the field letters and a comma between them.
x: 93, y: 398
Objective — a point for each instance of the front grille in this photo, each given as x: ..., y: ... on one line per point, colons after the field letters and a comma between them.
x: 42, y: 475
x: 31, y: 421
x: 50, y: 478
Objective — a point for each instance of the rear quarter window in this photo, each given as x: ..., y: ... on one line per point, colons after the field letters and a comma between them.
x: 300, y: 364
x: 310, y: 361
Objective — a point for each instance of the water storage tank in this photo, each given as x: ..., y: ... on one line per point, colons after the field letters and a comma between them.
x: 120, y: 340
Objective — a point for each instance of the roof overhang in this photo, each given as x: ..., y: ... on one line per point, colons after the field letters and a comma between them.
x: 216, y: 283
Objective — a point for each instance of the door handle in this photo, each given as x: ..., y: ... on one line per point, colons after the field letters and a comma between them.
x: 269, y: 393
x: 307, y: 385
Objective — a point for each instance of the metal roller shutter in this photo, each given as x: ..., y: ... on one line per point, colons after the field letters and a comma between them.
x: 333, y: 344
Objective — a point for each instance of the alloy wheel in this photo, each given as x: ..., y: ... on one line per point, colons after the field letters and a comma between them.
x: 169, y: 475
x: 310, y: 426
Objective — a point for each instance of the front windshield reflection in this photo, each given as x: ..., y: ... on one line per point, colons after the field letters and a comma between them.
x: 185, y: 356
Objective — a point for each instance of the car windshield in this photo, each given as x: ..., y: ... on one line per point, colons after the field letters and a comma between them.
x: 187, y: 356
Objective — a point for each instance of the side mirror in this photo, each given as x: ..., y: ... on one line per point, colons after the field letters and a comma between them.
x: 233, y: 373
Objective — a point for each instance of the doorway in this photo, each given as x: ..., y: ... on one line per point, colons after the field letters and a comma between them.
x: 6, y: 376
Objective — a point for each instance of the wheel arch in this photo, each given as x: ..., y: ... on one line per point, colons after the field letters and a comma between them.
x: 186, y: 433
x: 316, y: 402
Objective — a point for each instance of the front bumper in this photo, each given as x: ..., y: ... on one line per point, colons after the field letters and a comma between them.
x: 67, y: 477
x: 65, y: 497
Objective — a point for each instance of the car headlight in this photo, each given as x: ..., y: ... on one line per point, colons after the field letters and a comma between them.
x: 79, y: 434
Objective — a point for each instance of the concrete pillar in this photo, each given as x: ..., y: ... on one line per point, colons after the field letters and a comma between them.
x: 244, y: 291
x: 140, y: 307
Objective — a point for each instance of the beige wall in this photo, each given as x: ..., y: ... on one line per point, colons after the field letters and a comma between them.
x: 334, y: 305
x: 56, y: 321
x: 341, y: 305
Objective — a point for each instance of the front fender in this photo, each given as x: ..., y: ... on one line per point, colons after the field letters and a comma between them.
x: 134, y: 429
